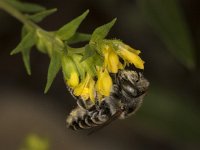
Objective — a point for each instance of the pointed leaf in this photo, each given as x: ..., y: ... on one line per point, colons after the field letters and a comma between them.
x: 41, y: 15
x: 102, y: 31
x: 26, y: 52
x: 79, y: 37
x: 27, y: 42
x: 26, y: 59
x: 68, y: 30
x: 54, y: 67
x: 89, y: 51
x: 26, y: 7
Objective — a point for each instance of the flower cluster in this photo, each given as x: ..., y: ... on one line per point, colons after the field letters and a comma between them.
x: 90, y: 80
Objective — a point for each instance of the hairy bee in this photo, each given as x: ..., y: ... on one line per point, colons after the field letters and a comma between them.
x: 128, y: 91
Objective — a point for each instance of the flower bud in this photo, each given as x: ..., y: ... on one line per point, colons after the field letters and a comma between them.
x: 73, y: 80
x: 70, y: 72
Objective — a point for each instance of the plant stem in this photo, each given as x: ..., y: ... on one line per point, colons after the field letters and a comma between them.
x: 17, y: 14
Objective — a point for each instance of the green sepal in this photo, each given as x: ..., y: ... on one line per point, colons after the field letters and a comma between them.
x: 26, y: 43
x: 68, y: 66
x: 41, y: 15
x: 26, y: 7
x: 81, y: 70
x: 48, y: 41
x: 68, y: 30
x: 89, y: 52
x: 80, y: 50
x: 97, y: 59
x: 54, y: 67
x: 89, y: 65
x: 102, y: 31
x: 91, y: 62
x: 79, y: 37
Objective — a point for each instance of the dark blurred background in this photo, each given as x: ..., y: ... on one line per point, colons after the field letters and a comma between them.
x: 168, y: 34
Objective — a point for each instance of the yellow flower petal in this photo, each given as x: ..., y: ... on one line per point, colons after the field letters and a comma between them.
x: 85, y: 94
x: 86, y: 89
x: 73, y: 80
x: 127, y: 47
x: 104, y: 83
x: 113, y: 62
x: 132, y: 58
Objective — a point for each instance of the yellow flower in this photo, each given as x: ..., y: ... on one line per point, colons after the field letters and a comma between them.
x: 73, y: 80
x: 86, y: 89
x: 130, y: 55
x: 111, y: 60
x: 104, y: 83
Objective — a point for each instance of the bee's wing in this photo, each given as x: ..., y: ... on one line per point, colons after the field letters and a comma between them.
x: 113, y: 117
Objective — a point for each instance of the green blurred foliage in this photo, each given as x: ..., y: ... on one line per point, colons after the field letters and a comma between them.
x: 166, y: 18
x: 35, y: 142
x: 171, y: 114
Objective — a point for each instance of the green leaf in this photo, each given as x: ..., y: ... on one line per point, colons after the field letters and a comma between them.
x: 26, y: 60
x: 41, y: 15
x: 26, y: 7
x: 26, y: 52
x: 24, y: 31
x: 54, y: 67
x: 89, y: 51
x: 167, y: 19
x: 79, y: 37
x: 26, y: 43
x: 102, y: 31
x: 68, y: 30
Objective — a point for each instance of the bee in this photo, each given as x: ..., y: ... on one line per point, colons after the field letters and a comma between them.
x: 128, y: 90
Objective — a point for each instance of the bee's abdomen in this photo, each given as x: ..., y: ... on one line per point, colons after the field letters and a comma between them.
x: 80, y: 118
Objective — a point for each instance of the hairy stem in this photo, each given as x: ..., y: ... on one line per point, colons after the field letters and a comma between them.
x: 17, y: 14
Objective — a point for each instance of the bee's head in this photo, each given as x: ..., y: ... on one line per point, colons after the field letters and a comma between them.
x: 133, y: 87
